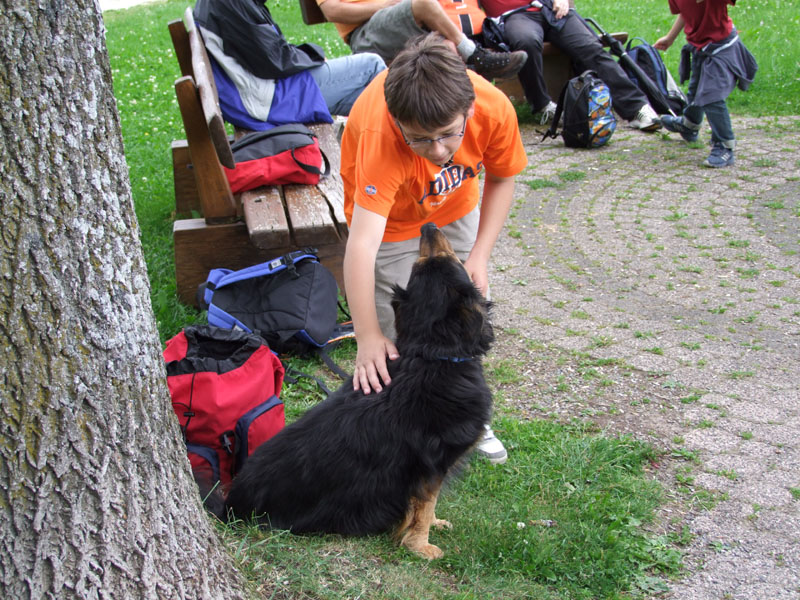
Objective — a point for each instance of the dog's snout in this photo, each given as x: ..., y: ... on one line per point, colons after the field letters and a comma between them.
x: 427, y: 227
x: 433, y: 242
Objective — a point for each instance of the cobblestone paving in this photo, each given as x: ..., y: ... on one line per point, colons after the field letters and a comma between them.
x: 656, y: 297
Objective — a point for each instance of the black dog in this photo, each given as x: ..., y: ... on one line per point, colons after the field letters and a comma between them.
x: 361, y: 464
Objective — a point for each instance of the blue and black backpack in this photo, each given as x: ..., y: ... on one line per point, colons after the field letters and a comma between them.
x: 650, y: 61
x: 291, y: 301
x: 585, y: 104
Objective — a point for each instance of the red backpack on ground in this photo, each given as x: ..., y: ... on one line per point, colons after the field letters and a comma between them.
x: 225, y: 386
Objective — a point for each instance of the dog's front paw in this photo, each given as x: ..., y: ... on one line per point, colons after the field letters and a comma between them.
x: 429, y: 551
x: 441, y: 524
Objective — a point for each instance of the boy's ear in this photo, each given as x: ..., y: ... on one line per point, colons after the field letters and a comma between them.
x: 471, y: 110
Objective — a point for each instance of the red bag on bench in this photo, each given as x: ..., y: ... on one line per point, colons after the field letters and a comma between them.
x: 285, y: 154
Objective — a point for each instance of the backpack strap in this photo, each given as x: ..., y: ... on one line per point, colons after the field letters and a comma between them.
x: 311, y: 168
x: 323, y: 353
x: 210, y: 456
x: 551, y: 132
x: 255, y: 136
x: 268, y: 268
x: 187, y: 412
x: 342, y: 331
x: 642, y: 43
x: 292, y: 375
x: 206, y: 289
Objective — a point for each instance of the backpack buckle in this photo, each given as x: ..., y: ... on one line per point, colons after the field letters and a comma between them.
x: 227, y: 441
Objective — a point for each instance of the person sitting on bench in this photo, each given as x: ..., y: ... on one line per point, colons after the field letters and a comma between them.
x: 263, y: 80
x: 528, y: 24
x: 384, y: 27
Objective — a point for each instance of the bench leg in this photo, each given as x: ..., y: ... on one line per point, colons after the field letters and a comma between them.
x: 187, y: 198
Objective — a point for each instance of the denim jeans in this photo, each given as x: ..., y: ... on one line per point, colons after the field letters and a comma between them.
x: 341, y: 80
x: 716, y: 112
x: 528, y: 30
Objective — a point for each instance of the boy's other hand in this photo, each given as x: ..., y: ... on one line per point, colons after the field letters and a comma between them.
x: 662, y: 43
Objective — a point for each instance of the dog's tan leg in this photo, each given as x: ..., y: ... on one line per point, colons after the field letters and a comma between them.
x: 417, y: 524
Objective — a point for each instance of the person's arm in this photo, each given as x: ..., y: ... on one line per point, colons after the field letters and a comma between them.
x: 363, y: 242
x: 498, y: 194
x: 348, y: 12
x: 667, y: 41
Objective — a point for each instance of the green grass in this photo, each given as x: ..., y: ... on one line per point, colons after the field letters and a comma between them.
x: 562, y: 519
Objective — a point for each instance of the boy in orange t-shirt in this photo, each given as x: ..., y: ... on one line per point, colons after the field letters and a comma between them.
x: 415, y: 143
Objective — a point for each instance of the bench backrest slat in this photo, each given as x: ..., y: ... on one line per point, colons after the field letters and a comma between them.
x: 312, y: 13
x: 180, y: 42
x: 216, y: 200
x: 204, y: 79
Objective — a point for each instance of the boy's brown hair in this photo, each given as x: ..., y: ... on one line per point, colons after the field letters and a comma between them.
x: 427, y: 84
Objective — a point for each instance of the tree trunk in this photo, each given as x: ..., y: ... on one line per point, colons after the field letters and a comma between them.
x: 96, y: 496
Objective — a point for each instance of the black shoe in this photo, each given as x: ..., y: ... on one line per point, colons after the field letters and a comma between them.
x: 499, y: 65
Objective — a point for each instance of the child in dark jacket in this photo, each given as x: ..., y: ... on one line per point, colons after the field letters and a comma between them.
x: 715, y: 61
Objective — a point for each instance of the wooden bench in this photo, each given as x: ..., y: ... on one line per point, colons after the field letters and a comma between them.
x: 236, y: 231
x: 557, y: 65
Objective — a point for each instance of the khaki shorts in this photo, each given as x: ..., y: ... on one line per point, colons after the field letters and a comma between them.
x: 395, y: 259
x: 386, y: 32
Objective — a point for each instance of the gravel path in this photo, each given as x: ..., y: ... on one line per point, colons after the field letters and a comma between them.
x: 637, y: 289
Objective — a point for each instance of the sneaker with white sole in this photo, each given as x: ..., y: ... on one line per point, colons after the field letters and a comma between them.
x: 646, y: 119
x: 492, y: 448
x: 546, y: 115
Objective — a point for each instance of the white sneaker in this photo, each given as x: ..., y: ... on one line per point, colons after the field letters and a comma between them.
x: 545, y: 116
x: 492, y: 448
x: 646, y: 119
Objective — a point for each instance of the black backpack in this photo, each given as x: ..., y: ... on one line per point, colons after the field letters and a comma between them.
x: 585, y: 104
x: 291, y: 301
x: 650, y: 61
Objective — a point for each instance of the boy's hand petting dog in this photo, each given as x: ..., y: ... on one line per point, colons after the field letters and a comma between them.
x: 371, y: 370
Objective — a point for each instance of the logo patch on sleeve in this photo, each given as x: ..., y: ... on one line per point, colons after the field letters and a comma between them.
x: 371, y: 190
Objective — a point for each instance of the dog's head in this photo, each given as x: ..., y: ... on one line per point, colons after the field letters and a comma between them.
x: 441, y: 313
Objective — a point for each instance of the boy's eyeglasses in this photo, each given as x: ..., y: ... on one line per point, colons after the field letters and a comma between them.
x: 426, y: 142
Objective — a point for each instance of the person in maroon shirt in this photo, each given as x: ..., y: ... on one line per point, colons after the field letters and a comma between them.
x: 718, y: 61
x: 532, y: 23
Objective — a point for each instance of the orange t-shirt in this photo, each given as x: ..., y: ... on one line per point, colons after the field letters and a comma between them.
x: 466, y: 14
x: 383, y: 175
x: 344, y: 29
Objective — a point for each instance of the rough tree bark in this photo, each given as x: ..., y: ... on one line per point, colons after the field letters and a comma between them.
x: 96, y: 498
